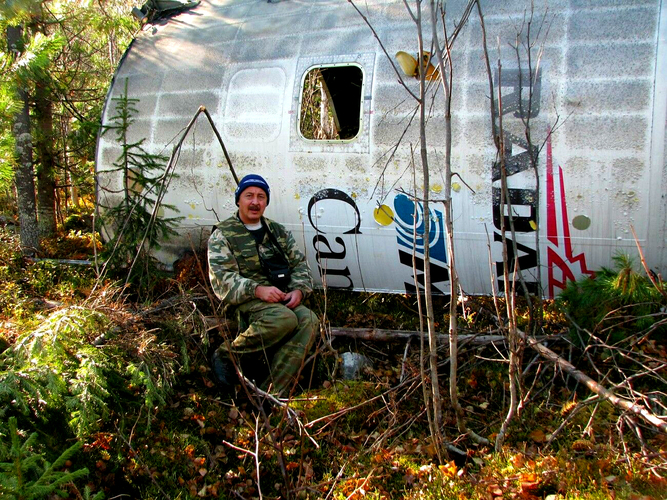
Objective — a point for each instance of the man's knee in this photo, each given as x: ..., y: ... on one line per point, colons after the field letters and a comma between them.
x: 266, y: 326
x: 311, y: 320
x: 279, y: 318
x: 308, y: 322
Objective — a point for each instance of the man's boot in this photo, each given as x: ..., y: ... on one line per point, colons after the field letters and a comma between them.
x: 222, y: 371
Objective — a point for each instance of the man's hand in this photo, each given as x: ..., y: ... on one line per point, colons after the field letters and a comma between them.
x: 293, y: 298
x: 270, y: 294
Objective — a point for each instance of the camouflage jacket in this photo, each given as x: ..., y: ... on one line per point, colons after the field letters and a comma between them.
x: 234, y: 268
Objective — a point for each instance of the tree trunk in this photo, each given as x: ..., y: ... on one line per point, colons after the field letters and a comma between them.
x: 438, y: 438
x: 46, y: 178
x: 446, y: 79
x: 23, y: 177
x: 449, y: 225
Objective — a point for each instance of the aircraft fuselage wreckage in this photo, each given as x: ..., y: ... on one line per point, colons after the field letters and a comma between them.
x: 306, y: 94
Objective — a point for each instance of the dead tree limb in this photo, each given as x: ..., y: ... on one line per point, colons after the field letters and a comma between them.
x: 381, y: 334
x: 387, y: 335
x: 595, y: 387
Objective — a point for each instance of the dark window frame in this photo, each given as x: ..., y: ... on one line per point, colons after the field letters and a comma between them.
x: 335, y: 91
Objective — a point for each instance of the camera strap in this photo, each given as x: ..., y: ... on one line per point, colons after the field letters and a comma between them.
x: 274, y: 241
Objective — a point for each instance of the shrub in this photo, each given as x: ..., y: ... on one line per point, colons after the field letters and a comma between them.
x: 616, y: 303
x: 24, y: 472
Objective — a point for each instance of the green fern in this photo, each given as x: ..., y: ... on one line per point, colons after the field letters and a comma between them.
x: 88, y: 495
x: 89, y: 394
x: 55, y: 370
x: 155, y: 386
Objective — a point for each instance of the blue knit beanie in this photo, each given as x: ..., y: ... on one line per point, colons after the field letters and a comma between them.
x: 252, y: 180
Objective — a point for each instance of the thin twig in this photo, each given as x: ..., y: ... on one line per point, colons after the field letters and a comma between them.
x: 389, y: 58
x: 658, y: 287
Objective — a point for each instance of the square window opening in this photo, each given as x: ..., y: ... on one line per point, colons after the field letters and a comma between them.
x: 331, y: 103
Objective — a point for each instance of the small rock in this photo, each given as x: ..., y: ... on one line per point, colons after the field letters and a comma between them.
x: 353, y: 364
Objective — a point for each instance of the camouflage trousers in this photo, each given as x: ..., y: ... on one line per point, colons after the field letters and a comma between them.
x: 277, y: 335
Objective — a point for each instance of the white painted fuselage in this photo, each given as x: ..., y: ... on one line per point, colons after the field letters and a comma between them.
x: 597, y: 121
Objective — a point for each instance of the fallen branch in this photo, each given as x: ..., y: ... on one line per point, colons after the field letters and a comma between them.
x: 377, y: 334
x: 598, y: 389
x: 71, y: 262
x: 386, y: 335
x: 291, y: 414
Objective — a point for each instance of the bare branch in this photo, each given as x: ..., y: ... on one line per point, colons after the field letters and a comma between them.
x: 391, y: 60
x: 598, y: 389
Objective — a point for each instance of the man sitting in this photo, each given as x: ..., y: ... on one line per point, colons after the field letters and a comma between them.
x: 256, y: 268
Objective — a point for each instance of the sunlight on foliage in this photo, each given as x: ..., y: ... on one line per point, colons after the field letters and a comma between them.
x: 56, y: 367
x: 26, y: 287
x: 75, y: 244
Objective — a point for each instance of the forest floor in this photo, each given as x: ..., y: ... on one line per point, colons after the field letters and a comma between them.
x: 127, y: 380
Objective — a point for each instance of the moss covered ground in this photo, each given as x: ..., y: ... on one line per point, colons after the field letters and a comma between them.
x: 127, y: 378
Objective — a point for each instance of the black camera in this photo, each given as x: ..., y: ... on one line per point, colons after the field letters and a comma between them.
x: 274, y: 263
x: 280, y: 278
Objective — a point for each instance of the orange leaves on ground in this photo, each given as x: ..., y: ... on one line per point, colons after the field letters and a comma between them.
x: 525, y: 487
x: 348, y: 449
x: 355, y: 488
x: 519, y: 461
x: 449, y: 470
x: 430, y: 472
x: 494, y: 490
x: 472, y: 381
x: 523, y: 481
x: 384, y: 456
x: 416, y: 447
x: 306, y: 468
x: 102, y: 441
x: 200, y: 419
x: 529, y: 482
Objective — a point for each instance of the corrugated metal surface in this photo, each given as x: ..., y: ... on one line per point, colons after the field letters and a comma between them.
x: 601, y: 89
